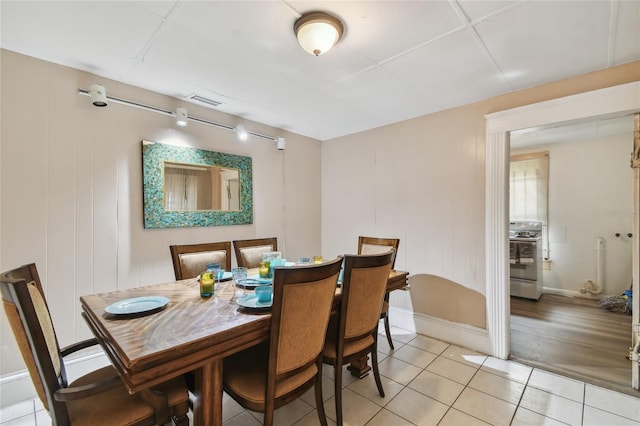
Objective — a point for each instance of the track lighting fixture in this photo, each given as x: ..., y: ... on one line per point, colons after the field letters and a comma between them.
x: 281, y: 144
x: 98, y: 95
x: 181, y: 117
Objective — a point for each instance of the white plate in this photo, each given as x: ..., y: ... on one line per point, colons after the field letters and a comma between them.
x: 251, y: 301
x: 256, y: 279
x: 137, y: 305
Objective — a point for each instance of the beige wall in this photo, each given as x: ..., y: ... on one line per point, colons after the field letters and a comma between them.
x: 422, y: 180
x: 71, y: 188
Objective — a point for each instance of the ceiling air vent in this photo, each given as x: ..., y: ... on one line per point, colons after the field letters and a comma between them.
x: 204, y: 100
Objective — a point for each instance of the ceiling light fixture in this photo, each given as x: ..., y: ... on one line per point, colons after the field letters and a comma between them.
x: 241, y: 133
x: 181, y: 117
x: 317, y: 32
x: 98, y: 95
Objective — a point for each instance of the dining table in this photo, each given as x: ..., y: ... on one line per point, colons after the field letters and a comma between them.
x: 186, y: 333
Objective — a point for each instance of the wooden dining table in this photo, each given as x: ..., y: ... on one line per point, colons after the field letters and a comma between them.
x: 189, y: 334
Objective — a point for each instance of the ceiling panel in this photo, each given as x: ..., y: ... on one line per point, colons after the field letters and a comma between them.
x: 398, y: 59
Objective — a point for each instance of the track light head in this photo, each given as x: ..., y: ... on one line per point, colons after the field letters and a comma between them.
x: 241, y: 133
x: 281, y: 144
x: 98, y: 95
x: 181, y: 117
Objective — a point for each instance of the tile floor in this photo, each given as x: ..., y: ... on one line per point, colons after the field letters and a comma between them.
x: 430, y: 382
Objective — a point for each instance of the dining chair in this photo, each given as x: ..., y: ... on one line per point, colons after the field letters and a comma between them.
x: 275, y: 373
x: 249, y: 252
x: 370, y: 245
x: 98, y: 397
x: 353, y: 332
x: 191, y: 259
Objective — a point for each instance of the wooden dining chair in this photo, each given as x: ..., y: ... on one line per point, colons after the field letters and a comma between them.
x: 272, y: 374
x: 96, y: 398
x: 191, y: 259
x: 249, y: 252
x: 353, y: 332
x: 371, y: 245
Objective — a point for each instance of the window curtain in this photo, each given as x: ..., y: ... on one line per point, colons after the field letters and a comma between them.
x: 529, y: 189
x: 181, y: 189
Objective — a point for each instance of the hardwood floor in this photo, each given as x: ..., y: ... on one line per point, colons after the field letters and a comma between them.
x: 573, y: 337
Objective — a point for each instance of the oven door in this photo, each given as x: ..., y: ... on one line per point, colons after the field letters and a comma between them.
x: 524, y: 258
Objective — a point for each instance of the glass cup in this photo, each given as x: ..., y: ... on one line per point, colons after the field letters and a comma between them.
x: 239, y: 275
x: 317, y: 260
x: 206, y: 284
x: 304, y: 261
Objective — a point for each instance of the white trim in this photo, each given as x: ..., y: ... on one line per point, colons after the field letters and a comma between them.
x: 458, y: 334
x: 613, y: 101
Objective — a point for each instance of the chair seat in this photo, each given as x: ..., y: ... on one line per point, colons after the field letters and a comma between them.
x: 117, y: 405
x: 245, y: 375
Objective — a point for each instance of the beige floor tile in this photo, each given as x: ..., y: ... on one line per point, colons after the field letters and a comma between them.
x: 452, y: 370
x: 429, y: 344
x: 526, y: 417
x: 595, y: 417
x: 367, y: 388
x: 230, y: 408
x: 243, y: 419
x: 557, y: 385
x: 417, y: 408
x: 311, y: 419
x: 458, y: 418
x: 398, y: 370
x: 387, y: 418
x: 356, y: 409
x: 347, y: 377
x: 613, y: 402
x: 509, y: 369
x: 383, y: 345
x: 437, y: 387
x: 415, y: 356
x: 327, y: 392
x: 288, y: 414
x: 401, y: 335
x: 466, y: 356
x: 550, y: 405
x: 485, y: 407
x: 500, y: 387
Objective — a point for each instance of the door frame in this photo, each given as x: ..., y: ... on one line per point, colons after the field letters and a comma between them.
x: 613, y: 101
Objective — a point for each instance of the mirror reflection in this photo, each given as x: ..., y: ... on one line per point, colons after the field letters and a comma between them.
x: 189, y: 187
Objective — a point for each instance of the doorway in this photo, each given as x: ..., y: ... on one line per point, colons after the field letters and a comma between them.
x: 614, y: 101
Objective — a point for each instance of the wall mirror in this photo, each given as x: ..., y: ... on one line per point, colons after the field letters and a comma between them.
x: 186, y: 187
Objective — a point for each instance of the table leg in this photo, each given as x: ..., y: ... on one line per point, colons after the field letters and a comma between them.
x: 207, y: 406
x: 360, y: 368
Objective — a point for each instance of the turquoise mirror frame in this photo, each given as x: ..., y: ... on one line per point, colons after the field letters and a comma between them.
x: 155, y: 216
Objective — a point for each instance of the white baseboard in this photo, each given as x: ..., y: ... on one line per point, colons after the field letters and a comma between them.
x: 570, y: 293
x: 459, y: 334
x: 17, y: 387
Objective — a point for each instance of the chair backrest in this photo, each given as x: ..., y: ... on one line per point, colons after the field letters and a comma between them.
x: 364, y: 285
x: 191, y: 259
x: 302, y: 303
x: 28, y: 314
x: 249, y: 252
x: 374, y: 245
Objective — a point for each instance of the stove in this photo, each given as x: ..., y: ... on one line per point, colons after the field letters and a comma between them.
x: 525, y: 259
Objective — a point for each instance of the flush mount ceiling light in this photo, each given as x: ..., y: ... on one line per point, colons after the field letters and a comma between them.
x: 317, y: 32
x: 241, y: 133
x: 98, y: 95
x: 181, y: 117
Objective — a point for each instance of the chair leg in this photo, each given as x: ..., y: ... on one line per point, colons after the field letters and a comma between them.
x: 376, y: 371
x: 319, y: 402
x: 387, y: 331
x: 338, y: 393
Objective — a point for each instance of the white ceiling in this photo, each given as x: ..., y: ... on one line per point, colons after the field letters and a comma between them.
x: 397, y: 60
